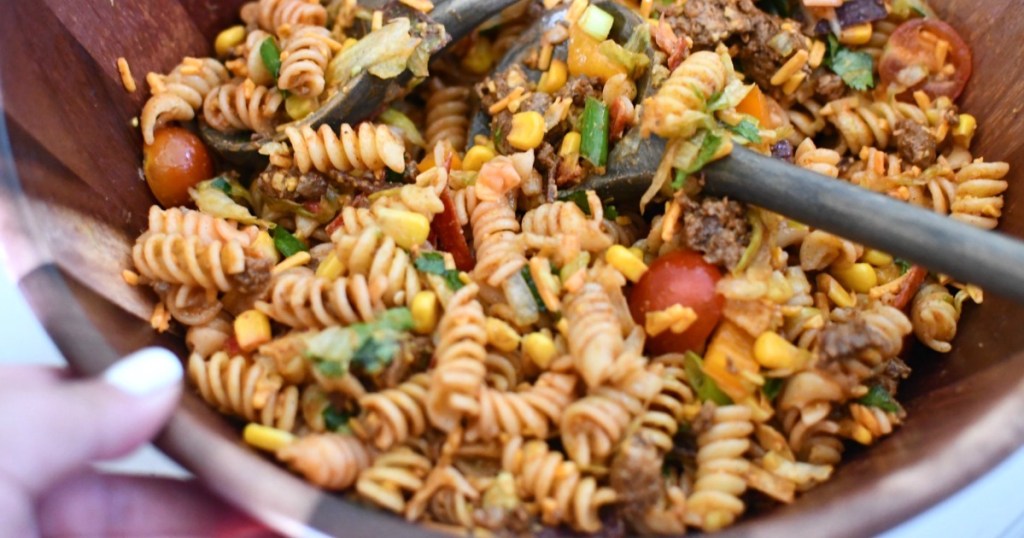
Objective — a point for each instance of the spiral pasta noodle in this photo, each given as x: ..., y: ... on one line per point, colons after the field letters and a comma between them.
x: 394, y: 477
x: 300, y: 299
x: 459, y: 370
x: 367, y: 147
x: 192, y: 305
x: 177, y: 259
x: 329, y: 460
x: 820, y: 249
x: 499, y: 252
x: 375, y: 256
x: 660, y: 421
x: 559, y: 218
x: 243, y: 106
x: 392, y: 416
x: 686, y: 91
x: 559, y: 487
x: 528, y: 413
x: 823, y: 161
x: 189, y: 222
x: 595, y: 333
x: 181, y: 93
x: 245, y: 388
x: 721, y: 468
x: 448, y: 117
x: 979, y: 193
x: 306, y: 53
x: 273, y: 14
x: 934, y: 316
x: 870, y: 124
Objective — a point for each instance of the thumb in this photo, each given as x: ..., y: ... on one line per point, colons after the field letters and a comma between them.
x: 53, y: 429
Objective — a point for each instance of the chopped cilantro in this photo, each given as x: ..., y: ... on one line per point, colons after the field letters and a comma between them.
x: 433, y: 263
x: 286, y: 243
x: 578, y: 197
x: 772, y: 387
x: 706, y: 387
x: 880, y: 398
x: 369, y: 346
x: 222, y: 185
x: 375, y: 354
x: 271, y: 56
x: 335, y: 421
x: 610, y: 212
x: 747, y: 129
x: 331, y: 369
x: 855, y: 68
x: 904, y: 265
x: 533, y: 289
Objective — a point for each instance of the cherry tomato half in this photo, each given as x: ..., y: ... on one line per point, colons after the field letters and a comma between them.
x: 912, y: 60
x: 683, y: 278
x: 174, y: 162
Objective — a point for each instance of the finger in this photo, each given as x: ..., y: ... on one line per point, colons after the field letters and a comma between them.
x: 24, y: 375
x: 94, y: 504
x: 51, y: 430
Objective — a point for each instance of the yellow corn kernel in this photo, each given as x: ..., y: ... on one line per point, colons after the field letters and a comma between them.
x: 263, y: 247
x: 291, y: 262
x: 476, y: 157
x: 563, y: 327
x: 299, y: 107
x: 554, y: 78
x: 266, y: 438
x: 229, y: 39
x: 252, y: 329
x: 858, y: 34
x: 527, y: 130
x: 859, y: 277
x: 964, y: 130
x: 331, y: 267
x: 622, y: 259
x: 501, y: 335
x: 348, y: 43
x: 480, y: 57
x: 876, y: 258
x: 540, y: 348
x: 570, y: 144
x: 862, y: 435
x: 638, y: 252
x: 424, y: 312
x: 773, y: 351
x: 676, y: 318
x: 408, y: 229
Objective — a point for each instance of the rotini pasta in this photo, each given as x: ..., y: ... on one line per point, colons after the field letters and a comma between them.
x: 329, y: 460
x: 177, y: 96
x: 301, y: 300
x: 243, y: 106
x: 458, y: 374
x: 670, y: 113
x: 307, y: 51
x: 273, y: 14
x: 366, y: 147
x: 245, y: 388
x: 448, y: 117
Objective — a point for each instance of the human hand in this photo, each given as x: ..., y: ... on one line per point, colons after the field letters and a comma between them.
x: 53, y: 426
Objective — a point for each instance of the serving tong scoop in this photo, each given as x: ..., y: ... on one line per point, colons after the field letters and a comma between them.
x: 988, y: 259
x: 365, y: 94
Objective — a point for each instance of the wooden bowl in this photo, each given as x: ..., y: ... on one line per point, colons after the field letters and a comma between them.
x: 74, y: 201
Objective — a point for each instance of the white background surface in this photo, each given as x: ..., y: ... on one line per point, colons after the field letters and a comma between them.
x: 992, y: 507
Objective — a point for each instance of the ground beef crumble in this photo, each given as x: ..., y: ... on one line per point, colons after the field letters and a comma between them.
x: 915, y: 144
x: 718, y: 228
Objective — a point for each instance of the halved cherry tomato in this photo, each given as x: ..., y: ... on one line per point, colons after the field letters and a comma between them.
x: 173, y: 163
x: 911, y: 59
x: 684, y: 278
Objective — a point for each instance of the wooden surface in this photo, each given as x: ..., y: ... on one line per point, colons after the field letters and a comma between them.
x: 78, y: 201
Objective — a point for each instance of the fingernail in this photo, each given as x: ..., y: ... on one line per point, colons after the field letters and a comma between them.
x: 144, y: 372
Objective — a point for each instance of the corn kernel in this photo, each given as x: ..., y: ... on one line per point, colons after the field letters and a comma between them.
x: 424, y: 312
x: 858, y: 34
x: 476, y: 157
x: 263, y: 247
x: 554, y: 78
x: 408, y: 229
x: 527, y: 130
x: 862, y: 435
x: 876, y: 258
x: 773, y: 351
x: 964, y: 130
x: 266, y: 438
x: 563, y: 327
x: 638, y: 252
x: 540, y: 348
x: 501, y: 335
x: 229, y: 39
x: 348, y: 43
x: 570, y: 144
x: 291, y: 262
x: 299, y: 107
x: 480, y: 57
x: 252, y: 329
x: 330, y: 268
x: 622, y: 259
x: 859, y: 277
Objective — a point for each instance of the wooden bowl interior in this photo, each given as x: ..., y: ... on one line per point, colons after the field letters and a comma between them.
x: 74, y: 201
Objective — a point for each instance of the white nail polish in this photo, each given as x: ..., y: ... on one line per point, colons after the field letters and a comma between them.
x: 145, y: 371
